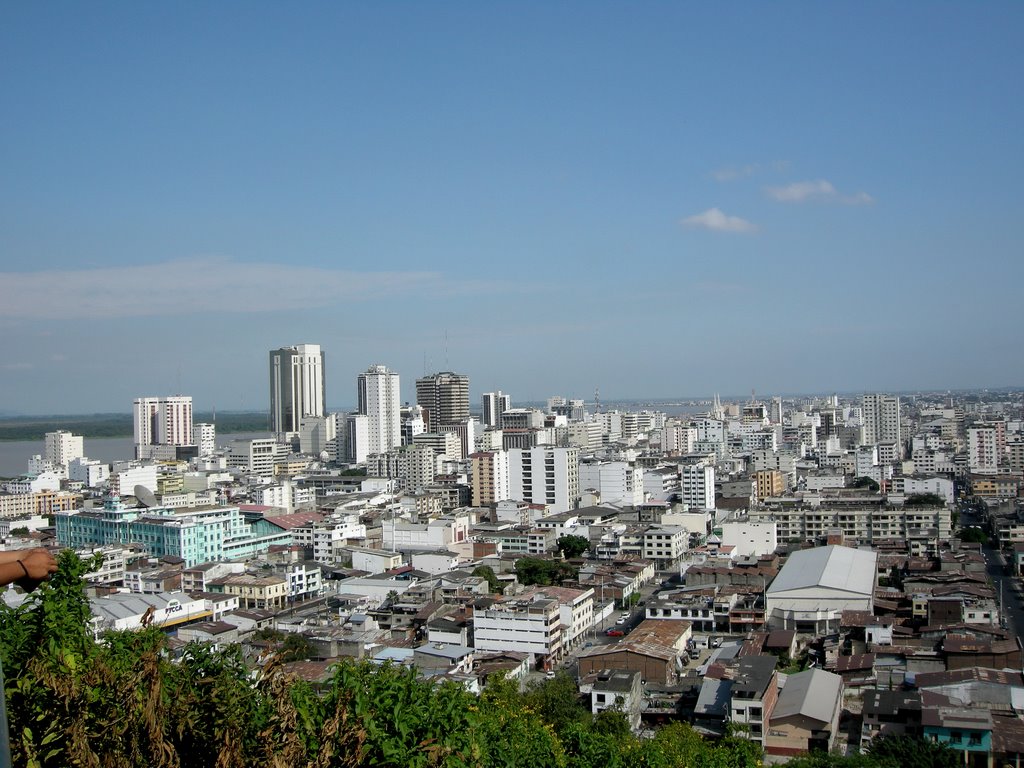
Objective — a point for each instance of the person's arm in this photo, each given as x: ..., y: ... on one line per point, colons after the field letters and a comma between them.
x: 27, y: 567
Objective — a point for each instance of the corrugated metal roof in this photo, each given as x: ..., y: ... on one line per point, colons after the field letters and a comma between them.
x: 813, y: 693
x: 832, y: 567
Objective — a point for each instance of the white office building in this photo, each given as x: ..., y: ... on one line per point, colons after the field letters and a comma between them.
x: 62, y: 447
x: 89, y: 472
x: 880, y: 415
x: 379, y: 400
x: 204, y: 437
x: 316, y: 435
x: 697, y: 485
x: 982, y: 450
x: 749, y: 538
x: 617, y: 482
x: 546, y: 475
x: 495, y: 404
x: 296, y: 387
x: 162, y: 421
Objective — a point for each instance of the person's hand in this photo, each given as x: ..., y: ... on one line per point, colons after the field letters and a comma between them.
x: 38, y: 564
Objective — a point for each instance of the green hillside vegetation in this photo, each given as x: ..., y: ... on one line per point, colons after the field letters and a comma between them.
x: 123, y: 702
x: 117, y: 424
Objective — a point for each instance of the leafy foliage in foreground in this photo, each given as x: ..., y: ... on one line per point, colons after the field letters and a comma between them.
x: 123, y: 702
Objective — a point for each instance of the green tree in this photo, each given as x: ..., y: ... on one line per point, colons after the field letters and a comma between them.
x: 536, y: 570
x: 572, y: 546
x: 494, y: 586
x: 911, y: 752
x: 865, y: 482
x: 924, y: 500
x: 296, y: 647
x: 557, y: 701
x: 974, y: 534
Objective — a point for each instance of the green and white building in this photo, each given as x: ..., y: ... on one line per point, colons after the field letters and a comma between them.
x: 195, y: 534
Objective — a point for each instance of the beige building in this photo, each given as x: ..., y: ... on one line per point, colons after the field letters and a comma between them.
x: 806, y: 715
x: 769, y: 483
x: 40, y: 503
x: 490, y: 477
x: 260, y: 592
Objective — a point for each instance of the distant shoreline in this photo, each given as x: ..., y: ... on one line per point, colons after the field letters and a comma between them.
x: 99, y: 425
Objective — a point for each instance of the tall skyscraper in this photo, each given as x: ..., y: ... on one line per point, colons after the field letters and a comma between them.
x: 162, y: 421
x: 444, y: 398
x: 296, y: 387
x: 881, y: 418
x: 495, y: 404
x: 380, y: 401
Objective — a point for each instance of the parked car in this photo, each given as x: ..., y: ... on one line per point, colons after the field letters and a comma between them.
x: 615, y: 632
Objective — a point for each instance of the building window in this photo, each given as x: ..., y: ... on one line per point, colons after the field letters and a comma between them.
x: 955, y: 737
x: 975, y: 740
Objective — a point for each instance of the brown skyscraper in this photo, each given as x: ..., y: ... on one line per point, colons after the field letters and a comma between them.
x: 444, y: 398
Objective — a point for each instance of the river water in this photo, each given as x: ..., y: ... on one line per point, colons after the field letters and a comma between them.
x: 14, y: 455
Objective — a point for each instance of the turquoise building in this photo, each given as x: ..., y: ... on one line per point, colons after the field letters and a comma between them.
x: 968, y: 731
x: 196, y: 534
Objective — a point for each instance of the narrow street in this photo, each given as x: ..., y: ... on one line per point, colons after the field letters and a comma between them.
x: 1013, y: 611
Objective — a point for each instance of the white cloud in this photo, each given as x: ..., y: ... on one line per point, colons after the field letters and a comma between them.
x: 804, y: 191
x: 717, y: 221
x: 205, y: 284
x: 18, y: 367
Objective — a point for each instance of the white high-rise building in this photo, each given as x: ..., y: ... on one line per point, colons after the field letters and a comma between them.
x: 697, y: 485
x: 545, y: 475
x: 495, y: 404
x: 296, y: 387
x: 162, y: 421
x: 881, y: 419
x: 982, y: 450
x: 317, y: 435
x: 357, y: 438
x: 412, y: 423
x: 380, y: 401
x: 204, y: 437
x: 62, y: 447
x: 617, y: 482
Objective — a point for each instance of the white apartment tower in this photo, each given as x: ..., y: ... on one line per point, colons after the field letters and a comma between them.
x: 697, y: 485
x: 881, y: 419
x: 296, y: 387
x: 204, y: 436
x: 982, y: 450
x: 545, y: 475
x: 380, y: 401
x: 495, y: 404
x: 62, y: 447
x: 162, y: 421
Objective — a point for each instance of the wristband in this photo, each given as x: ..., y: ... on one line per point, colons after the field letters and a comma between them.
x: 23, y: 567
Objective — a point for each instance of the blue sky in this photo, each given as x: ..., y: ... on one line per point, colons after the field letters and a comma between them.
x: 657, y: 199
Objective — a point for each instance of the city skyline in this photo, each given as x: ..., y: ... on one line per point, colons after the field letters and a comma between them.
x: 667, y: 203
